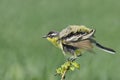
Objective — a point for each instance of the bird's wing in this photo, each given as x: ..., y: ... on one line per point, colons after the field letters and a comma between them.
x: 76, y: 33
x: 79, y: 37
x: 73, y: 29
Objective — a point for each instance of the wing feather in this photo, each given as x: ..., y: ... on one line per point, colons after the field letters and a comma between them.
x: 85, y: 44
x: 73, y: 29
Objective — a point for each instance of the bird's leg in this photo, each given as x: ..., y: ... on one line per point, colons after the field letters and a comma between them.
x: 72, y: 58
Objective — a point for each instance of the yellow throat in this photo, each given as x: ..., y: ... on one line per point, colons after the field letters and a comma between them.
x: 54, y: 41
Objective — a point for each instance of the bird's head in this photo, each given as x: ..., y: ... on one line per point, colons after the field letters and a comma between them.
x: 52, y: 36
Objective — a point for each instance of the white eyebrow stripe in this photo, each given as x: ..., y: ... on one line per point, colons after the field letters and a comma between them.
x: 53, y: 34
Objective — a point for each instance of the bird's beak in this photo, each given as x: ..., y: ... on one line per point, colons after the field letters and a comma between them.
x: 44, y: 36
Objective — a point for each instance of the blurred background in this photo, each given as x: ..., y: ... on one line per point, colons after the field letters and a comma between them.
x: 24, y: 55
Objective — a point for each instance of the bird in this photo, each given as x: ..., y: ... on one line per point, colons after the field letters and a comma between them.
x: 74, y: 40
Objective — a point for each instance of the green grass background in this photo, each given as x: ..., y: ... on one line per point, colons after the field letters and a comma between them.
x: 24, y: 55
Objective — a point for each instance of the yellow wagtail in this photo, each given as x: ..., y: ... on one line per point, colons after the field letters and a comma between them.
x: 74, y: 40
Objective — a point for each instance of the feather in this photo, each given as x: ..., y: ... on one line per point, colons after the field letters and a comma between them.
x: 109, y: 50
x: 73, y: 30
x: 85, y: 45
x: 75, y: 33
x: 78, y: 37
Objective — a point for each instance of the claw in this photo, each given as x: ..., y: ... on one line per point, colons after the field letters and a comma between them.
x: 71, y: 59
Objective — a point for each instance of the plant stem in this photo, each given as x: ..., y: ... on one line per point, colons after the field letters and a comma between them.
x: 63, y: 76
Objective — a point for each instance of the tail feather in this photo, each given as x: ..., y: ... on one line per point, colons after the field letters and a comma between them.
x: 109, y: 50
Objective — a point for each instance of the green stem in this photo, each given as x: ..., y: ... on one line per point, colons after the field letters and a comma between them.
x: 63, y: 75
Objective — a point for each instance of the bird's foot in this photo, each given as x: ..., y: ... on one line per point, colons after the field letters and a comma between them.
x: 71, y: 59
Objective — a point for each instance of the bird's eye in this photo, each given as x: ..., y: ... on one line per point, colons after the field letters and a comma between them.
x: 50, y: 36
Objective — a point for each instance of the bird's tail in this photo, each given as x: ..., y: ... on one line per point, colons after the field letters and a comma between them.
x: 109, y: 50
